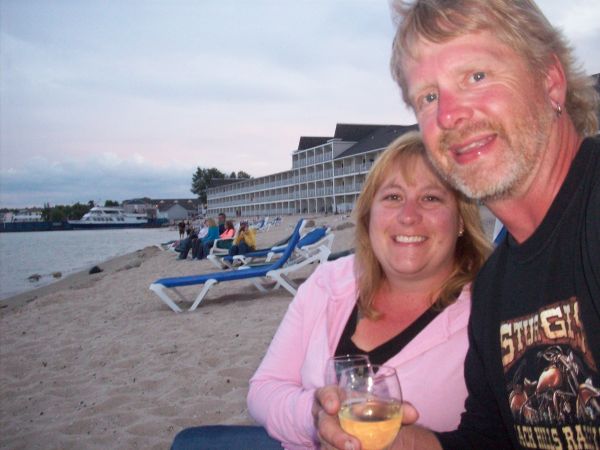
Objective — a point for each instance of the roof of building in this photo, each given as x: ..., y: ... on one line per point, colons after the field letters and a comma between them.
x: 350, y: 132
x: 138, y: 201
x: 377, y: 139
x: 190, y: 204
x: 347, y: 132
x: 312, y: 141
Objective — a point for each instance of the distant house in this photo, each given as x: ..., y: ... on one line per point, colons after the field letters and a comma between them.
x: 140, y: 206
x: 177, y: 209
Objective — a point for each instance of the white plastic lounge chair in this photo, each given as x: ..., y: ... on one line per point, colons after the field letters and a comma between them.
x: 307, y: 244
x: 314, y: 239
x: 221, y: 246
x: 266, y: 225
x: 222, y: 260
x: 277, y: 271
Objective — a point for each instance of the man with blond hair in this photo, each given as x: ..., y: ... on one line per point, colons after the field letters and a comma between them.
x: 509, y: 119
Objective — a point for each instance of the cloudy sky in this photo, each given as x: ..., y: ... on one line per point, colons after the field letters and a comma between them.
x: 125, y: 98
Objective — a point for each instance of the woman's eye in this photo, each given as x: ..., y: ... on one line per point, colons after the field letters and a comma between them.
x: 431, y: 198
x: 392, y: 197
x: 478, y: 76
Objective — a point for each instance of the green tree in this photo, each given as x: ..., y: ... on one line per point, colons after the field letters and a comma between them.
x: 242, y: 174
x: 232, y: 175
x: 109, y: 203
x: 78, y: 210
x: 46, y: 210
x: 58, y: 214
x: 61, y: 213
x: 201, y: 181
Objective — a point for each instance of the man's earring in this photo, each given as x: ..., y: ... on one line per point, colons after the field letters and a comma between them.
x: 558, y: 110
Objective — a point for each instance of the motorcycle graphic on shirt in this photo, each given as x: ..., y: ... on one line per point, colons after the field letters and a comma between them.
x: 553, y: 385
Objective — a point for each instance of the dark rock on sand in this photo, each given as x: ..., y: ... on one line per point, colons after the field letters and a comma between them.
x: 344, y: 225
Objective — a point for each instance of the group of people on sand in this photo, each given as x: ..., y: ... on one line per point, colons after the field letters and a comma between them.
x: 239, y: 241
x: 494, y: 350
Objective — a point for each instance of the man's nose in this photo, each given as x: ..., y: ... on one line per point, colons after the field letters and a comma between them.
x: 452, y: 110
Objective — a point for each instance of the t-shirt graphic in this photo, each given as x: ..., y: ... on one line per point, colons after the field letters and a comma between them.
x: 552, y: 380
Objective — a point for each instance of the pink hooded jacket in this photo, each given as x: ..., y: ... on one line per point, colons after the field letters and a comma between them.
x: 430, y: 367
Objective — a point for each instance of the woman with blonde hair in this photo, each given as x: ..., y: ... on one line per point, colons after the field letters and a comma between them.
x: 403, y: 300
x: 202, y: 247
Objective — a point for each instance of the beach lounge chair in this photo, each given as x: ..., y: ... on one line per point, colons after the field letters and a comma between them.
x: 277, y: 271
x: 312, y: 240
x: 265, y: 226
x: 221, y: 246
x: 221, y: 260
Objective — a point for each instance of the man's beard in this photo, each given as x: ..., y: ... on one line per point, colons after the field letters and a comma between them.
x: 515, y: 158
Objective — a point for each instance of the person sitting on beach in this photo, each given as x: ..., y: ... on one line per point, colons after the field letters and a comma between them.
x: 202, y: 246
x: 186, y: 244
x: 203, y: 231
x: 403, y: 300
x: 221, y: 218
x: 229, y: 231
x: 244, y: 241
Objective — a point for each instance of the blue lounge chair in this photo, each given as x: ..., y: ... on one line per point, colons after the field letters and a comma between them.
x: 224, y: 261
x: 311, y: 240
x: 277, y: 271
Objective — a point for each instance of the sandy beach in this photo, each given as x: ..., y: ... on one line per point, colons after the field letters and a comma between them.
x: 98, y: 361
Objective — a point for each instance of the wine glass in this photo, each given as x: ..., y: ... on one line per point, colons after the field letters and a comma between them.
x: 336, y: 364
x: 371, y: 404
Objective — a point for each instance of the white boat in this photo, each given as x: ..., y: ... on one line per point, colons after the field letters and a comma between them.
x: 109, y: 217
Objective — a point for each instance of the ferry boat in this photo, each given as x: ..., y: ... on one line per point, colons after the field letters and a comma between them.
x: 109, y: 217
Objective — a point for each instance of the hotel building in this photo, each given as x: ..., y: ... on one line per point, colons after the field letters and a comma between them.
x: 327, y: 175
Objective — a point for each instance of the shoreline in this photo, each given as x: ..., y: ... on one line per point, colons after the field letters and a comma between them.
x: 100, y: 359
x: 79, y: 279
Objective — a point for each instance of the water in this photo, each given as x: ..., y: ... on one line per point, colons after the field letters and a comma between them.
x: 46, y: 252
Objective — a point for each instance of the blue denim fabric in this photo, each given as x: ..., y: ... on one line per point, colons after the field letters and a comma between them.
x: 240, y: 249
x: 223, y: 437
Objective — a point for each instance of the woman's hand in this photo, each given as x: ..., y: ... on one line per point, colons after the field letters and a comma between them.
x: 325, y: 409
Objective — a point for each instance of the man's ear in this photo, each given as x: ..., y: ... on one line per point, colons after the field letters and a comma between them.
x: 556, y: 82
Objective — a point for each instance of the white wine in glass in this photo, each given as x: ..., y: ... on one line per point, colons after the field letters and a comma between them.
x: 337, y: 364
x: 371, y: 405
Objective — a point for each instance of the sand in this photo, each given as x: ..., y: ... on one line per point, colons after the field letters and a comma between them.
x: 98, y: 361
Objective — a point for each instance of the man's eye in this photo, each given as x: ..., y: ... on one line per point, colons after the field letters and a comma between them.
x: 430, y: 98
x: 478, y: 76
